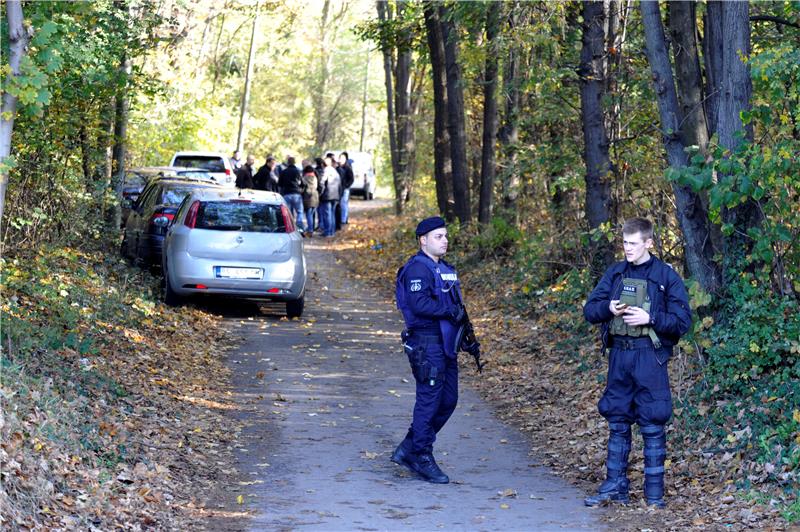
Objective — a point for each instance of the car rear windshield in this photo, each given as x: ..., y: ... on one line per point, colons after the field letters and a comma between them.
x: 195, y: 173
x: 240, y: 216
x: 210, y: 163
x: 174, y: 195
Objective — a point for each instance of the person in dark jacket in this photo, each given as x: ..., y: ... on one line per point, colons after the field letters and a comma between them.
x: 265, y: 178
x: 643, y: 308
x: 346, y: 171
x: 331, y: 186
x: 244, y: 174
x: 310, y: 197
x: 290, y: 183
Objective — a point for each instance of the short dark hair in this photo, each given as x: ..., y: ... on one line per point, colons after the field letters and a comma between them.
x: 270, y: 159
x: 638, y: 225
x: 290, y: 161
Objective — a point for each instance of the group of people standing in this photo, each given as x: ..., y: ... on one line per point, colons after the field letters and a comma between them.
x: 317, y: 190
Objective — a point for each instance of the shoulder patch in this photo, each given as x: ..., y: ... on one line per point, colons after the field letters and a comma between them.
x: 415, y: 285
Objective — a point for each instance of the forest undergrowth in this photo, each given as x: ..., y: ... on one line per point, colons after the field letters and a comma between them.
x: 112, y: 404
x: 732, y: 453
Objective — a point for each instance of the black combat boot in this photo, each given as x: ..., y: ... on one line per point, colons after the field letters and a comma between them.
x: 615, y: 486
x: 426, y: 467
x: 402, y: 455
x: 655, y: 452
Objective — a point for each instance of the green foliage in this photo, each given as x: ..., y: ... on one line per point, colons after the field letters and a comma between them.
x: 498, y: 239
x: 762, y: 339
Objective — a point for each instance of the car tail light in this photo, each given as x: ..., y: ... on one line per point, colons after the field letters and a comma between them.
x: 240, y: 201
x: 191, y: 216
x: 274, y: 291
x: 287, y: 219
x: 196, y: 286
x: 228, y: 172
x: 161, y: 219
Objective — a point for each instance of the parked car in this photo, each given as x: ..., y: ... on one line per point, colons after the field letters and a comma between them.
x: 364, y: 183
x: 147, y: 222
x: 364, y: 174
x: 217, y: 163
x: 137, y: 178
x: 244, y: 244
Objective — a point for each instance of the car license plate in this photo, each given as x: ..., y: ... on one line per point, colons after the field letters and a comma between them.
x: 227, y: 272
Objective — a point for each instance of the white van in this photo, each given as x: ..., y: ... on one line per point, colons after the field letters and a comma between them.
x: 218, y: 164
x: 364, y: 174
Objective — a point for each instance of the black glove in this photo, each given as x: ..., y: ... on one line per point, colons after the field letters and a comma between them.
x: 457, y: 315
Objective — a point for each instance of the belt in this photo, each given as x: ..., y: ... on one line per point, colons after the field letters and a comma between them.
x: 629, y: 344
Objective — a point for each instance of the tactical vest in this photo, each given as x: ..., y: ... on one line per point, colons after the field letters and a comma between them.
x: 634, y: 294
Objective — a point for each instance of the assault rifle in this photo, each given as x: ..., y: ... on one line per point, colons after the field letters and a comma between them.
x: 467, y: 341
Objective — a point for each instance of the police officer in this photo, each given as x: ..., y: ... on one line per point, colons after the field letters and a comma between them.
x: 643, y: 307
x: 429, y: 296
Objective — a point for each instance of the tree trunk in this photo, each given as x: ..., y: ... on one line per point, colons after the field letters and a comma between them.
x: 442, y: 166
x: 692, y: 215
x: 683, y: 29
x: 17, y: 48
x: 404, y: 120
x: 318, y: 96
x: 734, y: 98
x: 247, y: 78
x: 384, y: 15
x: 595, y: 138
x: 114, y: 214
x: 456, y: 122
x: 712, y: 55
x: 489, y: 114
x: 508, y: 135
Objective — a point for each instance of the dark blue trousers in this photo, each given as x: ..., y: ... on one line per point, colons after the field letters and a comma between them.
x: 436, y: 398
x: 637, y: 388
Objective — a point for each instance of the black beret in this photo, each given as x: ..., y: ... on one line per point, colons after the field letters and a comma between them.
x: 429, y: 224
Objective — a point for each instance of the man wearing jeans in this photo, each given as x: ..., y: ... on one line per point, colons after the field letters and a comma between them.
x: 347, y: 181
x: 290, y: 184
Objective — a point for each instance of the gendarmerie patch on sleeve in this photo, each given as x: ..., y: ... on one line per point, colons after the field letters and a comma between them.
x: 415, y: 285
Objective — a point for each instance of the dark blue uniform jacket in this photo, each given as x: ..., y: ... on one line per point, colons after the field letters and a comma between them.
x: 427, y: 298
x: 670, y: 314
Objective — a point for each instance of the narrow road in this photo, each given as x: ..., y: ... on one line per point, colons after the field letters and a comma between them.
x: 326, y: 399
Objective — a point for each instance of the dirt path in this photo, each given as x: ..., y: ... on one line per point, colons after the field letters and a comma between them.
x: 325, y: 400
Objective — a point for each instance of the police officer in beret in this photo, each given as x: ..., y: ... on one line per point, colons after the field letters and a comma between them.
x: 643, y: 308
x: 429, y: 296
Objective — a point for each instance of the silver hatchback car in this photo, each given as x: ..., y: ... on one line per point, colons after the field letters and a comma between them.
x: 235, y: 243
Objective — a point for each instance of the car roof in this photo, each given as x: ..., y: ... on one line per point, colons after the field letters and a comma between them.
x: 200, y: 153
x: 226, y: 193
x: 186, y: 180
x: 165, y: 170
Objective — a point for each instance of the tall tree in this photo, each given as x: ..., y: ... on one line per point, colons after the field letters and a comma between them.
x: 384, y: 17
x: 595, y: 137
x: 508, y: 135
x: 17, y: 46
x: 677, y: 132
x: 442, y: 166
x: 736, y: 89
x: 247, y: 78
x: 396, y: 43
x: 456, y: 120
x: 488, y: 169
x: 114, y: 213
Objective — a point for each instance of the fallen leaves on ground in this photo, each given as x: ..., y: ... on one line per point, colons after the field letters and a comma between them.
x: 546, y: 379
x: 112, y: 404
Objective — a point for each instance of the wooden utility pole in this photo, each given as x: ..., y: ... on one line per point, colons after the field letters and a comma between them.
x: 247, y: 77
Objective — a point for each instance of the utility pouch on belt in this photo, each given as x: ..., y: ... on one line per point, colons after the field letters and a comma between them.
x: 634, y: 294
x: 416, y: 357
